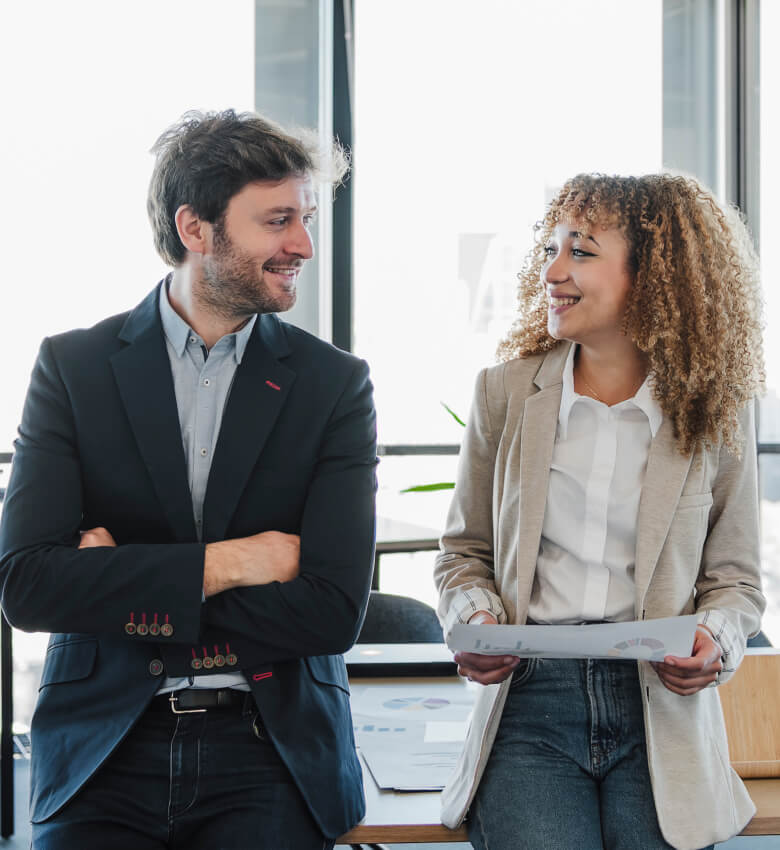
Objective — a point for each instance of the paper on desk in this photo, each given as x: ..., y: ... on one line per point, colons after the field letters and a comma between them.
x: 426, y: 767
x: 448, y: 730
x: 648, y: 640
x: 414, y: 702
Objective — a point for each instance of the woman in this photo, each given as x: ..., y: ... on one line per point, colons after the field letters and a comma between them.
x: 608, y: 473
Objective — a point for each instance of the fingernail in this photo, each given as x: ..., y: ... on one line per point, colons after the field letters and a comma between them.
x: 509, y: 659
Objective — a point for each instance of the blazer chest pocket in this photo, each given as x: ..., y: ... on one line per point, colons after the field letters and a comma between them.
x: 694, y: 500
x: 68, y: 661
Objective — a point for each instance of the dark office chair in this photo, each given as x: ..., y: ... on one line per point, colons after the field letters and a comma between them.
x: 399, y: 619
x: 759, y: 640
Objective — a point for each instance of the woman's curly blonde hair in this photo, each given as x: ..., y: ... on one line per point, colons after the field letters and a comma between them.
x: 695, y: 304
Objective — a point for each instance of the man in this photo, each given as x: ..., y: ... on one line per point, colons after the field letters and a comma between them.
x: 191, y: 513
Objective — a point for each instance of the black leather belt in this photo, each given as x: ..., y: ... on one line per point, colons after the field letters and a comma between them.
x: 197, y: 700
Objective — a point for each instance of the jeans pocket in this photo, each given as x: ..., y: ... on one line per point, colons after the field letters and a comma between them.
x: 523, y: 672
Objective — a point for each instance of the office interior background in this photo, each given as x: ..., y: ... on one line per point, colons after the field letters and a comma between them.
x: 463, y: 119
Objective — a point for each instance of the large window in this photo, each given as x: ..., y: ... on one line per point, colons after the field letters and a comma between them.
x: 93, y: 84
x: 467, y: 118
x: 461, y: 137
x: 769, y: 425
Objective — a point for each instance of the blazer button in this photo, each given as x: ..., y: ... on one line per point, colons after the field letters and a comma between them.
x: 155, y: 667
x: 196, y: 663
x: 219, y: 660
x: 208, y: 662
x: 142, y: 629
x: 232, y: 659
x: 166, y: 629
x: 154, y: 629
x: 130, y: 628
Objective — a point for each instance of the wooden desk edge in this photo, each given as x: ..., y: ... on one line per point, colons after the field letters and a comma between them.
x: 764, y: 792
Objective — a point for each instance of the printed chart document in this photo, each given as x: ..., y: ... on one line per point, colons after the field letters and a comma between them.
x: 411, y: 734
x: 645, y: 640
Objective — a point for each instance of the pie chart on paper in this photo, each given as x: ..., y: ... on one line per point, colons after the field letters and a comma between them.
x: 646, y: 649
x: 416, y: 703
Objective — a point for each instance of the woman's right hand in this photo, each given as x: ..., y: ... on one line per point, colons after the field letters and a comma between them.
x: 485, y: 669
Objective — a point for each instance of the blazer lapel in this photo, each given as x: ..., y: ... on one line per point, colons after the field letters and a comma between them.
x: 665, y: 476
x: 259, y: 391
x: 143, y: 375
x: 537, y: 441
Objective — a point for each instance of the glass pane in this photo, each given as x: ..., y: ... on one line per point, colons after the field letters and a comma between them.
x: 692, y: 95
x: 455, y: 156
x: 769, y: 419
x: 769, y: 430
x: 82, y: 114
x: 94, y: 85
x: 287, y: 89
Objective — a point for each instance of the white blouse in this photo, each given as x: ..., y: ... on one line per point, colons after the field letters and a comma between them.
x: 585, y: 566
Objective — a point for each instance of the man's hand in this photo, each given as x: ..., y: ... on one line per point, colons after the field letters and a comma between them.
x: 485, y: 669
x: 96, y: 537
x: 686, y: 676
x: 247, y: 561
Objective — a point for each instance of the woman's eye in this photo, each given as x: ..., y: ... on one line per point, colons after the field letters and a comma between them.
x: 550, y: 250
x: 579, y: 252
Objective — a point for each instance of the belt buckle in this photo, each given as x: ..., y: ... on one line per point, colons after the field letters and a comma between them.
x: 173, y: 699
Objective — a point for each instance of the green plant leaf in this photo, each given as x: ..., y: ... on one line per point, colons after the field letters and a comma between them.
x: 453, y: 414
x: 427, y: 488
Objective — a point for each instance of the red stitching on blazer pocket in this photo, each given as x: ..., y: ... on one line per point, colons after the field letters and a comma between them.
x: 258, y: 676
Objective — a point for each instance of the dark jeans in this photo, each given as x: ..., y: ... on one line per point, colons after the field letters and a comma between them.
x: 569, y: 765
x: 194, y: 781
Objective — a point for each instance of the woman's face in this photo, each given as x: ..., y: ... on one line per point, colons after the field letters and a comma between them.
x: 588, y: 282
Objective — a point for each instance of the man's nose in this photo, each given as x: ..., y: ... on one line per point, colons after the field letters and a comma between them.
x: 300, y: 242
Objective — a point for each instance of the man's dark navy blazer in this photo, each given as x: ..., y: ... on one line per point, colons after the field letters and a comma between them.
x: 100, y: 445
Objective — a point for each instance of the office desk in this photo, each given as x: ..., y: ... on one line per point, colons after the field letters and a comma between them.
x: 408, y: 817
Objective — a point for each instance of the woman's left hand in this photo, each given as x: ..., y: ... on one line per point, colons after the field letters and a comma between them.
x: 686, y: 676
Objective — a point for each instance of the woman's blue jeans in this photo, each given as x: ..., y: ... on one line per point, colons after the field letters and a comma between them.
x: 569, y: 765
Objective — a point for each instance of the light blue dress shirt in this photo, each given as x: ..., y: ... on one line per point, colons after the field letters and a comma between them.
x: 202, y: 380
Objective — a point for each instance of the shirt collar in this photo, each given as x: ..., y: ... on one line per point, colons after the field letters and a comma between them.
x: 177, y: 331
x: 643, y: 399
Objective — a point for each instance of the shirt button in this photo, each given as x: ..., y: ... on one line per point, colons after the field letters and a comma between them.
x: 206, y: 382
x: 193, y: 340
x: 203, y: 452
x: 155, y: 667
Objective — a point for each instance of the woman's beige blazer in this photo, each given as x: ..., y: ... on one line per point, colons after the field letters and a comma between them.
x: 697, y: 549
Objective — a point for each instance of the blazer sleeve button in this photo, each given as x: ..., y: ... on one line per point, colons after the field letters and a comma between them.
x: 130, y: 628
x: 166, y: 629
x: 142, y: 629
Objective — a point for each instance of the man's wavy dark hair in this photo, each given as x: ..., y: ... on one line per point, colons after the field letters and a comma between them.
x: 206, y: 158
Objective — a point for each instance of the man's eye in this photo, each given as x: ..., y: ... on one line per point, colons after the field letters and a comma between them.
x: 308, y: 220
x: 278, y: 222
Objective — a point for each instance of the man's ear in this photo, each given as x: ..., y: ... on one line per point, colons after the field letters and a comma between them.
x: 193, y: 231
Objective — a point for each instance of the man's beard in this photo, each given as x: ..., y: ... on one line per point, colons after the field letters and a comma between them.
x: 233, y: 287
